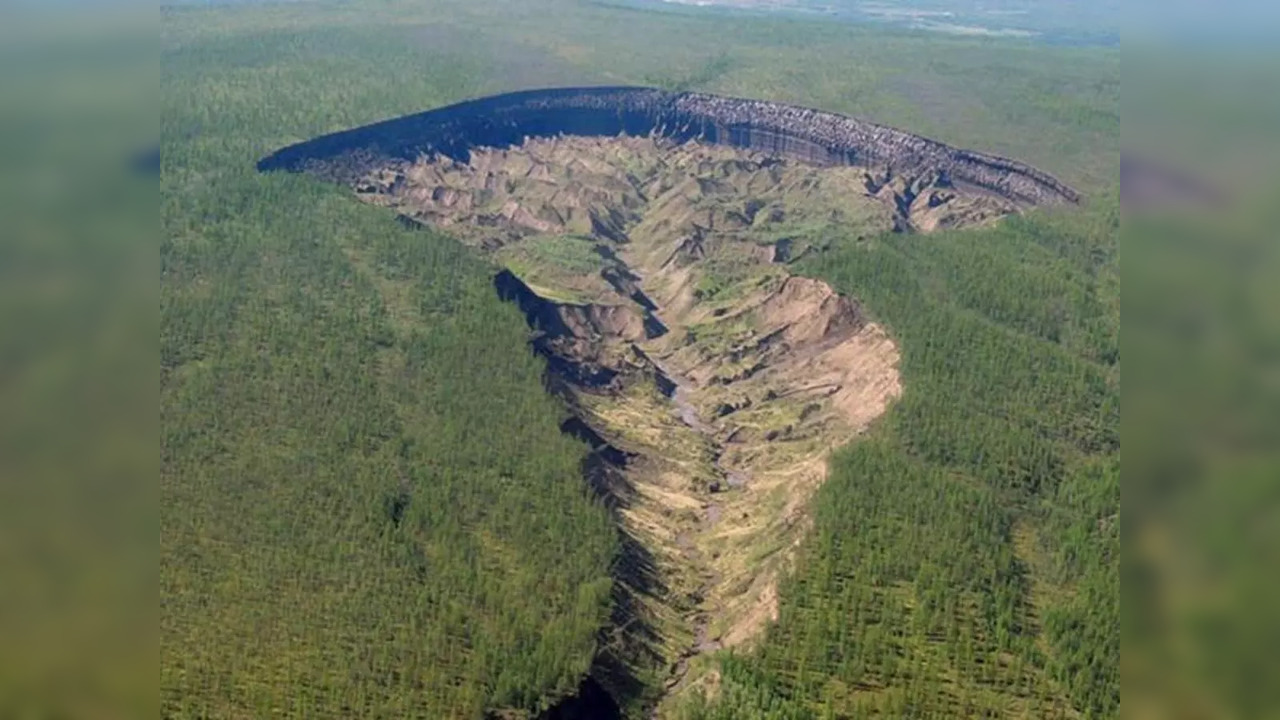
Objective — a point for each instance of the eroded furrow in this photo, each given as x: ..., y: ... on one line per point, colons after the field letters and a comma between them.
x: 709, y: 381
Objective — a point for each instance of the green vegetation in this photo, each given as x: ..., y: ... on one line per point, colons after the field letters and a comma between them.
x: 573, y: 254
x: 362, y: 485
x: 568, y: 262
x: 727, y: 278
x: 964, y: 558
x: 368, y: 509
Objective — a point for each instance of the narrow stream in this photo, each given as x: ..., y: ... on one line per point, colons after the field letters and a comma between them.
x: 677, y: 389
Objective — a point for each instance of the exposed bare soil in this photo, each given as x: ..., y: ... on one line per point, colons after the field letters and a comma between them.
x: 712, y: 382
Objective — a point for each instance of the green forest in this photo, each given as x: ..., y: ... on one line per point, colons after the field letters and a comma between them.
x: 363, y: 482
x: 368, y: 508
x: 965, y: 556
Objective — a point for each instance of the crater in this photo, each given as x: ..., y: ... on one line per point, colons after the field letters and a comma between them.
x: 649, y: 239
x: 778, y: 129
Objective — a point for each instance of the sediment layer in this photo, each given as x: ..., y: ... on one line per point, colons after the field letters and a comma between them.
x: 813, y: 136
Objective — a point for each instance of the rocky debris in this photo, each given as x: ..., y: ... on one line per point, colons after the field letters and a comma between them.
x: 583, y: 343
x: 807, y: 310
x: 779, y: 206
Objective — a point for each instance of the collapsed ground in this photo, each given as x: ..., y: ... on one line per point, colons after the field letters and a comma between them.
x: 710, y: 381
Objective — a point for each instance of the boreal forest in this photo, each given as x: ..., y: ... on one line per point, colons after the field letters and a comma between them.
x: 382, y: 495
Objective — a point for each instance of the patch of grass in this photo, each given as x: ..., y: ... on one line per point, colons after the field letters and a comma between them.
x: 568, y: 254
x: 716, y: 337
x: 725, y: 278
x: 561, y: 268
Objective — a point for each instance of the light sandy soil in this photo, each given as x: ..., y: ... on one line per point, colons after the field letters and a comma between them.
x: 732, y: 380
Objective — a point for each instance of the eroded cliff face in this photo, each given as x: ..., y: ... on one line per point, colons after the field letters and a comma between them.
x: 710, y: 381
x: 648, y: 237
x: 778, y: 129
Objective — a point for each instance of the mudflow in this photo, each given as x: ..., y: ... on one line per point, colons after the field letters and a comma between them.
x: 711, y: 382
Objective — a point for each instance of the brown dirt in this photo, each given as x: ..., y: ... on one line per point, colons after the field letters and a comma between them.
x: 770, y: 371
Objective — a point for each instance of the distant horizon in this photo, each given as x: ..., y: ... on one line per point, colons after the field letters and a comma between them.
x: 1095, y: 22
x: 1064, y: 22
x: 1085, y: 22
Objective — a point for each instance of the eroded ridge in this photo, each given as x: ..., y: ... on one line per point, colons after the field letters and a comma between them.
x: 711, y: 381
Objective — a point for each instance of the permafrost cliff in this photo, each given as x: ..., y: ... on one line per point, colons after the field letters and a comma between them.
x: 813, y: 136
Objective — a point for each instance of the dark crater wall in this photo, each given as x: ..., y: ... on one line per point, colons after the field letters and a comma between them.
x: 809, y: 135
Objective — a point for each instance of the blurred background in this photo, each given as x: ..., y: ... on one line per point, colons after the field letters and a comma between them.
x: 1201, y: 419
x: 78, y: 360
